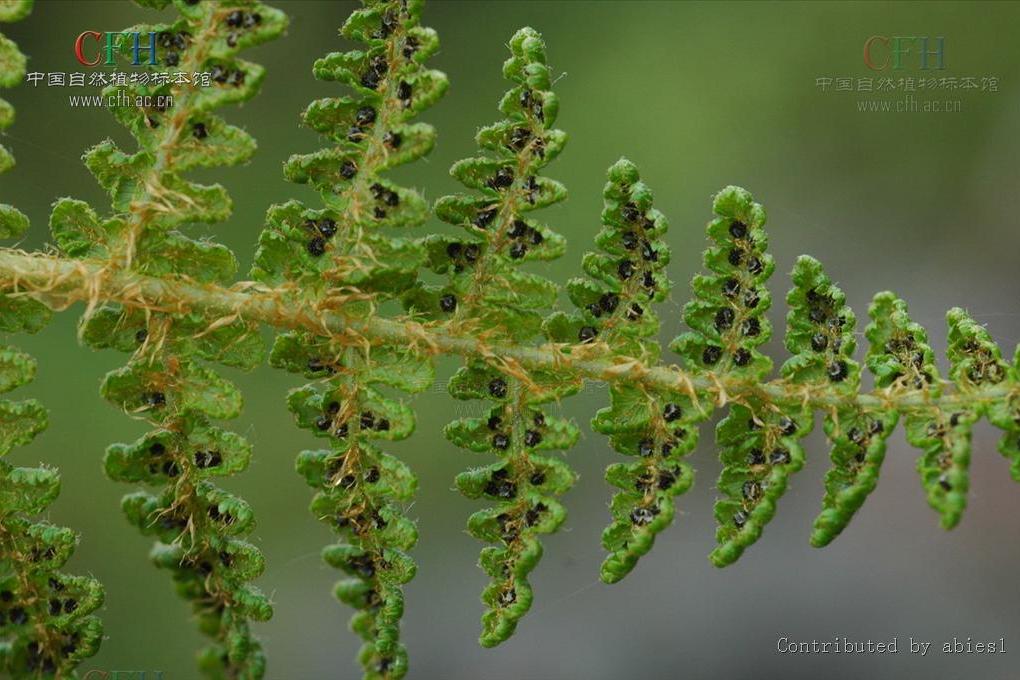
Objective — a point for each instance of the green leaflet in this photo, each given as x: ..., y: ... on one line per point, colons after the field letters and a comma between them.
x: 727, y: 318
x: 659, y: 429
x: 858, y: 448
x: 974, y: 357
x: 344, y: 245
x: 820, y: 331
x: 902, y: 360
x: 358, y: 485
x: 163, y: 389
x: 13, y: 222
x: 154, y: 457
x: 22, y: 314
x: 485, y: 288
x: 20, y: 422
x: 626, y: 276
x: 12, y: 63
x: 289, y: 252
x: 79, y: 232
x: 341, y: 256
x: 759, y: 453
x: 165, y: 381
x: 820, y: 335
x: 975, y: 361
x: 727, y: 314
x: 523, y: 484
x: 899, y: 354
x: 16, y: 369
x: 482, y: 270
x: 315, y: 357
x: 236, y: 343
x: 29, y: 490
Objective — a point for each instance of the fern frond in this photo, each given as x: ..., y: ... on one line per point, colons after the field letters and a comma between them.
x: 200, y: 528
x: 899, y: 355
x: 327, y: 274
x: 341, y: 257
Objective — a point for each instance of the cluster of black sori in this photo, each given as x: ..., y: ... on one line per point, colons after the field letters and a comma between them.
x: 200, y: 528
x: 627, y: 275
x: 727, y: 313
x: 372, y: 132
x: 485, y: 288
x: 342, y: 253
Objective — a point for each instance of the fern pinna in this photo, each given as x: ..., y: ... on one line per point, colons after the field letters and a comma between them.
x: 199, y: 527
x: 341, y: 258
x: 485, y: 292
x: 615, y: 316
x: 820, y: 334
x: 728, y: 324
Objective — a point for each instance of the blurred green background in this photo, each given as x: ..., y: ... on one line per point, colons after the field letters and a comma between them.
x: 700, y: 96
